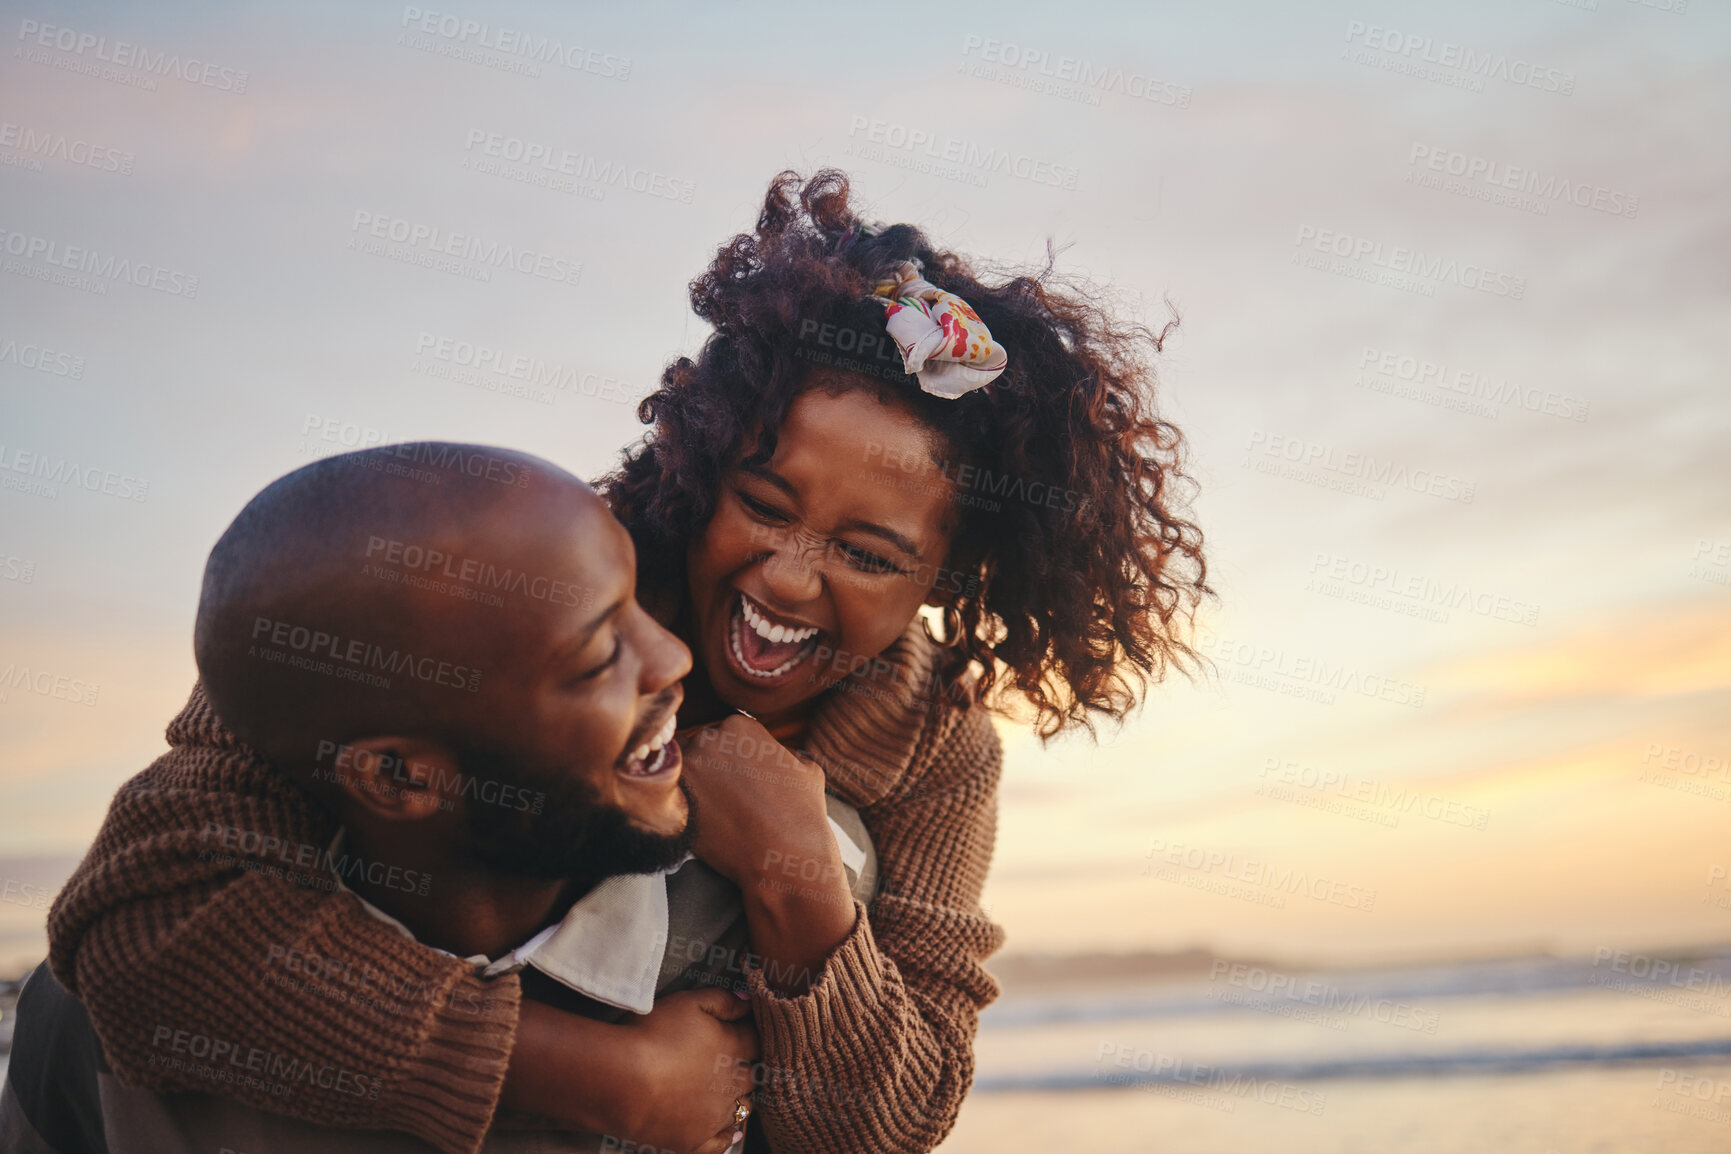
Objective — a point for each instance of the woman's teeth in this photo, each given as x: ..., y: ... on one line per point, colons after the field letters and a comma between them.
x: 786, y: 645
x: 775, y: 633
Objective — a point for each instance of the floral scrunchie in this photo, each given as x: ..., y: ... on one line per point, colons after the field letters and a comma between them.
x: 943, y: 342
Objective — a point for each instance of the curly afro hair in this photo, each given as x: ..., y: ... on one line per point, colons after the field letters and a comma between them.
x: 1079, y: 602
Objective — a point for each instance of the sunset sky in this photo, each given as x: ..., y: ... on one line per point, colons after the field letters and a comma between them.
x: 1451, y: 364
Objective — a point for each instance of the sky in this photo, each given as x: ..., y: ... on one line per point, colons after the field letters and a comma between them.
x: 1453, y: 306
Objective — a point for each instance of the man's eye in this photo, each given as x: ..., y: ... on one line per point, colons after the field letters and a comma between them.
x: 868, y: 561
x: 618, y: 647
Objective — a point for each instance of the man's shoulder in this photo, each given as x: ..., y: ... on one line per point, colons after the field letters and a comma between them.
x: 52, y: 1101
x: 62, y: 1098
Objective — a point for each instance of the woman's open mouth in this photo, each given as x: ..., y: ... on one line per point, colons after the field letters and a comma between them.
x: 656, y: 758
x: 763, y: 650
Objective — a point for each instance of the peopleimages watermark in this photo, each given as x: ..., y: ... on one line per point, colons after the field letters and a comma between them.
x: 616, y: 1144
x: 841, y: 567
x: 1364, y: 798
x: 323, y: 868
x: 380, y: 451
x: 869, y: 675
x: 15, y: 568
x: 462, y: 460
x: 47, y: 683
x: 766, y: 761
x: 961, y: 482
x: 358, y: 983
x: 87, y: 269
x: 1348, y: 471
x: 1718, y: 875
x: 31, y: 146
x: 1694, y: 1095
x: 461, y: 254
x: 495, y: 370
x: 388, y: 774
x: 1418, y: 378
x: 1516, y: 186
x: 782, y: 873
x: 1410, y: 594
x: 1661, y: 980
x: 326, y: 436
x: 42, y: 475
x: 1711, y: 561
x: 428, y: 561
x: 41, y: 359
x: 1687, y: 770
x: 1305, y: 676
x: 778, y: 1085
x: 1072, y: 78
x: 301, y: 647
x: 902, y: 145
x: 1249, y: 879
x: 30, y: 895
x: 1447, y: 62
x: 228, y: 1061
x: 121, y: 61
x: 1398, y: 267
x: 510, y: 49
x: 1122, y: 1064
x: 1675, y: 7
x: 548, y: 164
x: 1311, y: 1000
x: 713, y: 964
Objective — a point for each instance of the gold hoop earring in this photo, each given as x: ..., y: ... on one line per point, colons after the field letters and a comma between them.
x: 952, y: 628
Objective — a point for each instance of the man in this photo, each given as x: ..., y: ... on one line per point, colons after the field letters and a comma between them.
x: 484, y: 752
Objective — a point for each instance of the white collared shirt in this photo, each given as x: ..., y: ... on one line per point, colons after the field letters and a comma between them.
x: 610, y: 943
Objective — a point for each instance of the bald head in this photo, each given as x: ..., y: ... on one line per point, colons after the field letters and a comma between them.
x: 406, y: 589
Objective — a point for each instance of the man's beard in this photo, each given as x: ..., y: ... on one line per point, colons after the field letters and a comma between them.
x: 575, y: 835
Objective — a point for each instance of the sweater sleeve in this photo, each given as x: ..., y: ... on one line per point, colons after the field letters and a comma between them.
x: 878, y: 1054
x: 213, y: 955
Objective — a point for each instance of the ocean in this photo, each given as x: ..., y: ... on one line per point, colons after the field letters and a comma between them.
x: 1611, y: 1053
x: 1605, y: 1055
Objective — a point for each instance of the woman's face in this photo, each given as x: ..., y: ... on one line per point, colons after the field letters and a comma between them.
x: 815, y: 563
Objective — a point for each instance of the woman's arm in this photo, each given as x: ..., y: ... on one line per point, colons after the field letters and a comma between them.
x: 183, y: 930
x: 764, y: 824
x: 205, y: 966
x: 872, y: 1047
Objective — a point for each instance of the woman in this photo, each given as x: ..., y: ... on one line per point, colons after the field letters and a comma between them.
x: 791, y: 515
x: 870, y: 429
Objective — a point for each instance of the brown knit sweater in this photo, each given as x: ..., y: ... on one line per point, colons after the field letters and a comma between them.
x: 161, y: 929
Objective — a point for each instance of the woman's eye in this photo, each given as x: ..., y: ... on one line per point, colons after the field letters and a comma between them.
x: 758, y: 509
x: 868, y: 561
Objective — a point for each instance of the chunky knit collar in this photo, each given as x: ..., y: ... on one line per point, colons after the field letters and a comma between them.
x: 866, y: 729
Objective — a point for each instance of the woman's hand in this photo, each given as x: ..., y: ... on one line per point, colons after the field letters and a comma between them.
x: 663, y: 1081
x: 762, y: 822
x: 698, y: 1049
x: 759, y: 806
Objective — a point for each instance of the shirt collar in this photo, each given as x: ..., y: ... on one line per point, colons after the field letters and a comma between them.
x: 610, y: 943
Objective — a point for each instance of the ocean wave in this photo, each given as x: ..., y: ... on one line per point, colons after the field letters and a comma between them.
x: 1459, y: 1062
x: 1458, y: 980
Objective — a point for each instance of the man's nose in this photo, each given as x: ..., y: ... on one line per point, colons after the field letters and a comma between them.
x: 666, y: 659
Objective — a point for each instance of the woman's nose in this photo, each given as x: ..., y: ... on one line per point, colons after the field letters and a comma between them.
x: 793, y: 570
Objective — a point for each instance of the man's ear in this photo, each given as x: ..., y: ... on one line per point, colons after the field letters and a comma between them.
x: 395, y: 778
